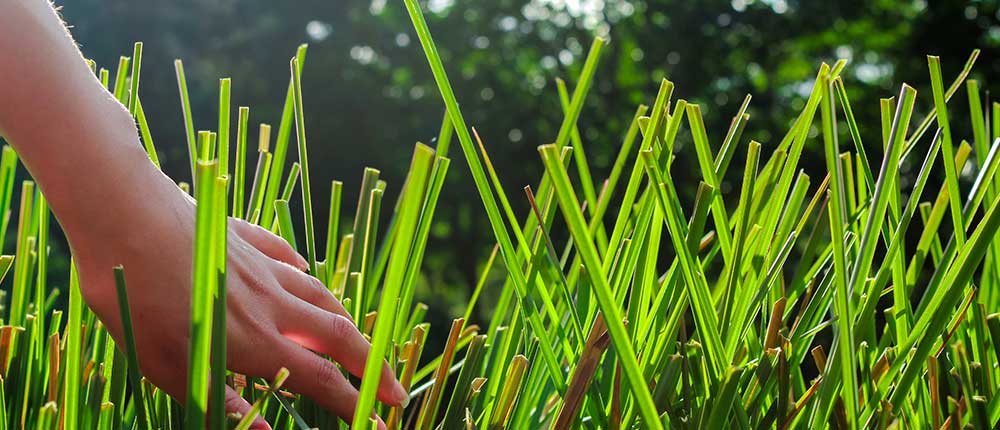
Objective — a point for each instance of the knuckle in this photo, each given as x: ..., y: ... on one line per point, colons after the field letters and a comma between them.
x: 316, y: 292
x: 341, y: 327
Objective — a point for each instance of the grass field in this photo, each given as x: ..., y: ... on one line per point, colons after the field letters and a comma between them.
x: 866, y: 298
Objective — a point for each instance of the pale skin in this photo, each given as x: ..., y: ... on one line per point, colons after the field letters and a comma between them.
x: 81, y: 147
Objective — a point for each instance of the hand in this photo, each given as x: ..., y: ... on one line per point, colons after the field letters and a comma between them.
x: 277, y: 314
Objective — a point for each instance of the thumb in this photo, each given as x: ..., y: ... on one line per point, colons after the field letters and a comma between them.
x: 237, y: 405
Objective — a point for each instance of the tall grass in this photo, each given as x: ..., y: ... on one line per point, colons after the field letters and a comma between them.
x: 792, y: 302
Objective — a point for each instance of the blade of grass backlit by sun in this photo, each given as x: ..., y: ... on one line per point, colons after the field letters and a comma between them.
x: 239, y: 175
x: 74, y: 346
x: 19, y: 291
x: 729, y: 144
x: 284, y: 219
x: 260, y: 176
x: 280, y: 148
x: 300, y: 128
x: 41, y: 263
x: 103, y: 76
x: 370, y: 228
x: 580, y: 158
x: 8, y: 166
x: 287, y: 190
x: 332, y: 230
x: 205, y: 280
x: 147, y: 137
x: 217, y: 404
x: 852, y: 127
x: 706, y: 161
x: 947, y: 149
x: 444, y: 136
x: 932, y: 115
x: 138, y: 403
x: 121, y: 80
x: 619, y: 337
x: 133, y: 100
x: 360, y: 229
x: 186, y: 112
x: 223, y: 133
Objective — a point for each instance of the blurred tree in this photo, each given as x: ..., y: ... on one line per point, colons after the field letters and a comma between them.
x: 369, y: 95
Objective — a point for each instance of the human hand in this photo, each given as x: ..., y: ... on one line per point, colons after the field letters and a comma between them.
x: 277, y: 314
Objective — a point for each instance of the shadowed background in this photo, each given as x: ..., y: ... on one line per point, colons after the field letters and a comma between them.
x: 369, y: 94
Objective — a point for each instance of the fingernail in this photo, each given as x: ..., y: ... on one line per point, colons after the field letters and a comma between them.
x: 381, y: 424
x: 402, y: 395
x: 303, y: 264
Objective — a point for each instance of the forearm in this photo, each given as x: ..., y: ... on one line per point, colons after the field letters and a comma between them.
x: 77, y: 141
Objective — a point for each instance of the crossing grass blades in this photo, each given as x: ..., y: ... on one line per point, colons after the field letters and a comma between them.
x: 792, y: 302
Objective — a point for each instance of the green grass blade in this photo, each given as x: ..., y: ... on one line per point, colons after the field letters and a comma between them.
x: 133, y: 359
x: 300, y: 128
x: 223, y: 133
x: 947, y: 149
x: 240, y: 169
x: 186, y: 112
x: 205, y: 280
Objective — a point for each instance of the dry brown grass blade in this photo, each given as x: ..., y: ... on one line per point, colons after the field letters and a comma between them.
x: 881, y: 366
x: 369, y: 323
x: 508, y: 397
x: 819, y: 356
x: 774, y: 325
x: 54, y: 366
x: 6, y: 339
x: 932, y: 380
x: 801, y: 403
x: 430, y: 404
x: 597, y: 342
x: 411, y: 357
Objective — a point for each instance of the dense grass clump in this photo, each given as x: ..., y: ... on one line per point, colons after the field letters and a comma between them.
x: 856, y: 300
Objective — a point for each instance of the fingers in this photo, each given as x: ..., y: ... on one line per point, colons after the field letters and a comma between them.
x: 335, y: 335
x: 321, y: 380
x: 237, y: 405
x: 310, y: 289
x: 269, y: 244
